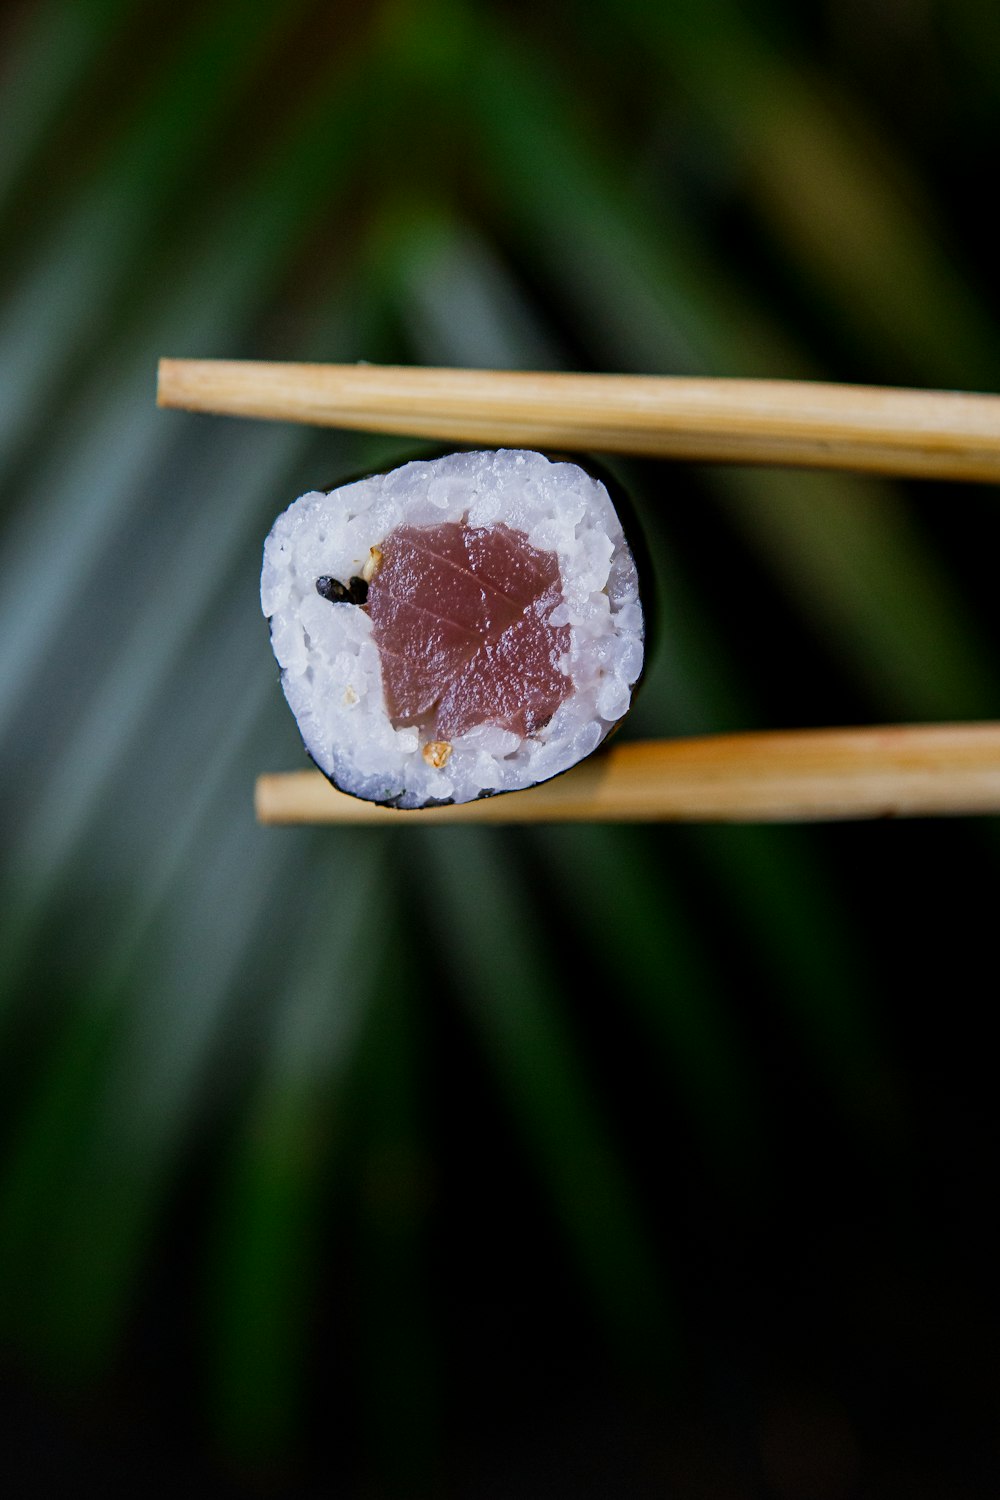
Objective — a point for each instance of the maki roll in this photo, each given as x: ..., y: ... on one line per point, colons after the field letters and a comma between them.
x: 458, y: 627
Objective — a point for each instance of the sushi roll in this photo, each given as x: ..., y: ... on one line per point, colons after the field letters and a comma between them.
x: 458, y: 627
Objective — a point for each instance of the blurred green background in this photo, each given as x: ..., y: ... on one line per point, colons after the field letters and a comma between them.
x: 584, y: 1161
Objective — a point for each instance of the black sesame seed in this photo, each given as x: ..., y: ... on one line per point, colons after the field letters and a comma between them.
x: 334, y: 590
x: 357, y: 590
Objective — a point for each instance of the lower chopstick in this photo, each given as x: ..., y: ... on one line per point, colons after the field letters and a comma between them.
x: 777, y: 777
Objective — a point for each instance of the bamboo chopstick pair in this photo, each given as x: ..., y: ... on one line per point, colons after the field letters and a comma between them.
x: 801, y: 775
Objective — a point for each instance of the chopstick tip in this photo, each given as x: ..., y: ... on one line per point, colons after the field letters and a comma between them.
x: 163, y: 369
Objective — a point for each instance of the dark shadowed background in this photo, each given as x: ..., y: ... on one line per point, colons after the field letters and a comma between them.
x: 587, y: 1161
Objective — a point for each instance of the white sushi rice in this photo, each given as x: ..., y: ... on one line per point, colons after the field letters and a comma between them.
x: 330, y: 663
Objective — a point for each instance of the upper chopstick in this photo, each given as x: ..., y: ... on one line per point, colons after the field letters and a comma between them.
x: 930, y: 434
x: 805, y: 775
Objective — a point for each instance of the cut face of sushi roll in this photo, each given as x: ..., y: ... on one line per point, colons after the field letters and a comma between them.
x: 458, y: 627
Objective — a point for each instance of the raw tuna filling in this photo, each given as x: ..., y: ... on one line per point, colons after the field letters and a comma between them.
x: 461, y: 621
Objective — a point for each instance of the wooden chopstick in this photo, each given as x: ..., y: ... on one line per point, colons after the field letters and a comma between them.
x: 805, y: 775
x: 930, y: 434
